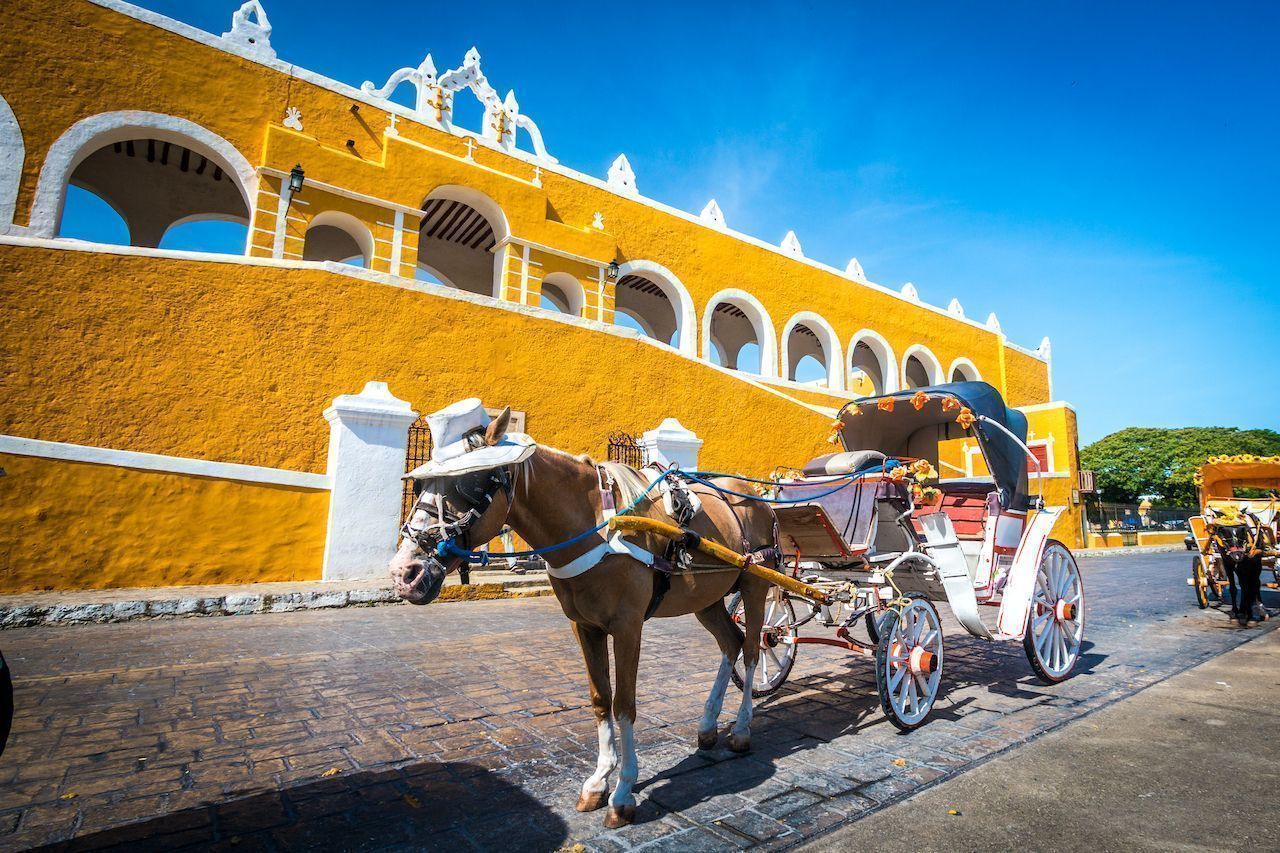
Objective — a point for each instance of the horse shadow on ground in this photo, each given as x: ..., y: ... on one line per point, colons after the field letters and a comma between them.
x: 428, y: 806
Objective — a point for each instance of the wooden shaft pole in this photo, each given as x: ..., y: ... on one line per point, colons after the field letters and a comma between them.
x: 720, y: 552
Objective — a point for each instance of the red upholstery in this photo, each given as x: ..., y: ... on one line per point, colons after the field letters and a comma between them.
x: 966, y: 513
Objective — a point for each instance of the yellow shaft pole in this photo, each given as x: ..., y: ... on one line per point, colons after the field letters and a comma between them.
x: 720, y: 552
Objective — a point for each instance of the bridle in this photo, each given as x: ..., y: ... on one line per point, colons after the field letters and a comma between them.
x: 475, y: 491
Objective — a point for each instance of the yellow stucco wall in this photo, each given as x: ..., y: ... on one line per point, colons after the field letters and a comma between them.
x: 76, y: 525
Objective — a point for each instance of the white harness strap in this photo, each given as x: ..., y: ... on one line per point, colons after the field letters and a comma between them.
x: 615, y: 544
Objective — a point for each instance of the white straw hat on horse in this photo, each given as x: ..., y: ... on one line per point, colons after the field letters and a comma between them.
x: 458, y: 444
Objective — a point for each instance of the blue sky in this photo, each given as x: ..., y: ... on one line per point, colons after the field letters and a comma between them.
x: 1106, y: 174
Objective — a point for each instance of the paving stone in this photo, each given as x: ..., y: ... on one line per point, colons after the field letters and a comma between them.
x: 242, y: 603
x: 321, y: 600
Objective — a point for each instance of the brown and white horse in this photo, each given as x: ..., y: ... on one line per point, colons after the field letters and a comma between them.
x: 550, y: 498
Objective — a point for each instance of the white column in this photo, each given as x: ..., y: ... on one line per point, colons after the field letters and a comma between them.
x: 671, y: 442
x: 368, y: 436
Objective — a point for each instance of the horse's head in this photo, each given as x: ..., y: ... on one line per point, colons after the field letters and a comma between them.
x: 455, y: 512
x: 1233, y: 542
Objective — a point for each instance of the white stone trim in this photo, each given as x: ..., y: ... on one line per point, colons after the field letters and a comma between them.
x: 966, y: 363
x: 926, y: 357
x: 352, y: 93
x: 884, y: 354
x: 831, y: 350
x: 12, y: 155
x: 1042, y: 407
x: 92, y: 133
x: 311, y: 183
x: 766, y: 337
x: 159, y: 463
x: 677, y: 293
x: 349, y: 225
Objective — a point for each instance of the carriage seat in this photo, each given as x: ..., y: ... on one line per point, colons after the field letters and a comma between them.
x: 965, y: 503
x: 849, y: 462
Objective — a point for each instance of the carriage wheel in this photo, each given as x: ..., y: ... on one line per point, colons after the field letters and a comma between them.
x: 873, y: 625
x: 1201, y: 581
x: 1055, y: 626
x: 909, y: 662
x: 777, y: 656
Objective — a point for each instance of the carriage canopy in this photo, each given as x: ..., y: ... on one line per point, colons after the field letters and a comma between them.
x: 1222, y: 475
x: 915, y: 422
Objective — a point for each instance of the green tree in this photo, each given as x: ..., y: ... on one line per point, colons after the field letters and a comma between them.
x: 1149, y: 461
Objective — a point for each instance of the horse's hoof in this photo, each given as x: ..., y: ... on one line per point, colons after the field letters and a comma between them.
x: 708, y: 740
x: 619, y: 816
x: 739, y: 744
x: 591, y: 802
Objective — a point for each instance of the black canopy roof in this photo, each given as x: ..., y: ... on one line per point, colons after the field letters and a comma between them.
x: 907, y: 431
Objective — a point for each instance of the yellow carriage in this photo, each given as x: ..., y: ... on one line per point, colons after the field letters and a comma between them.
x: 1233, y: 490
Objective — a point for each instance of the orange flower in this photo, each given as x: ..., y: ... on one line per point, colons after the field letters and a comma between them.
x: 919, y: 399
x: 965, y: 418
x: 923, y: 470
x: 898, y: 474
x: 885, y: 404
x: 950, y: 404
x: 833, y: 437
x: 917, y: 494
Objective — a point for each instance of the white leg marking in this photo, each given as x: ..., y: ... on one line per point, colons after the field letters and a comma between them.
x: 742, y: 726
x: 629, y: 770
x: 598, y: 781
x: 715, y: 701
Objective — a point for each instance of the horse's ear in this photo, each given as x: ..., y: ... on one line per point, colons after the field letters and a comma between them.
x: 498, y: 427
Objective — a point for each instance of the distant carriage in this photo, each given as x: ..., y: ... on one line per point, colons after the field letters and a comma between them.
x: 1240, y: 511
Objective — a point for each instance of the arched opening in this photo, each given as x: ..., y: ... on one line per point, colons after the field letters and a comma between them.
x: 872, y: 367
x: 217, y: 235
x: 156, y: 184
x: 459, y: 231
x: 963, y: 370
x: 651, y: 300
x: 91, y: 218
x: 920, y: 368
x: 431, y: 276
x: 564, y: 293
x: 811, y: 352
x: 336, y: 236
x: 738, y: 334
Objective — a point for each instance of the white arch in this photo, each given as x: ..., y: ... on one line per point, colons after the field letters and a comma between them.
x: 347, y: 223
x: 677, y: 293
x: 970, y: 369
x: 927, y: 359
x: 831, y: 351
x: 884, y: 357
x: 91, y: 134
x: 572, y: 290
x: 760, y: 322
x: 12, y: 155
x: 493, y: 214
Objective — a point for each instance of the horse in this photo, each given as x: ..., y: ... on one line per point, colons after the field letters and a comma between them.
x: 1241, y: 553
x: 604, y: 586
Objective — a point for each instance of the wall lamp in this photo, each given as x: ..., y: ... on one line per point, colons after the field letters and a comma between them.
x: 296, y: 177
x: 612, y: 274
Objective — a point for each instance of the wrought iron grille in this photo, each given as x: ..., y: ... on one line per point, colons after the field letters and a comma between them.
x: 624, y: 448
x: 418, y: 452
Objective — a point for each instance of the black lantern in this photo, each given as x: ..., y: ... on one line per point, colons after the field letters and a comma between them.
x: 296, y: 177
x: 612, y: 274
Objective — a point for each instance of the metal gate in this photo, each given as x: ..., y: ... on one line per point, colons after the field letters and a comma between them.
x: 418, y: 452
x: 624, y: 448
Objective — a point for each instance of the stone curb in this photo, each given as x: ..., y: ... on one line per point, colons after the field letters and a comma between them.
x: 237, y: 604
x: 1132, y: 549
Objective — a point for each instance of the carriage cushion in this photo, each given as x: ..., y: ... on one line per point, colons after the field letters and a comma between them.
x: 849, y: 462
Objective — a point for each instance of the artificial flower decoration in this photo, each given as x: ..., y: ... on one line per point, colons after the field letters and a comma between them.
x: 965, y: 418
x: 922, y: 470
x: 917, y: 494
x: 930, y: 495
x: 833, y: 437
x: 950, y: 404
x: 898, y: 474
x: 885, y: 404
x: 919, y: 399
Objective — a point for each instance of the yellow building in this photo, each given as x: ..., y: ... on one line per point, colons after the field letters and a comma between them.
x: 163, y: 415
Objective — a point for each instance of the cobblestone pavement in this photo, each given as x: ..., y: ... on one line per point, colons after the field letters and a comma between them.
x: 465, y: 726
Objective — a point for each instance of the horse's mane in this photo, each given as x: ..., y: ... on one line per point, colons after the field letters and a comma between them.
x: 631, y: 483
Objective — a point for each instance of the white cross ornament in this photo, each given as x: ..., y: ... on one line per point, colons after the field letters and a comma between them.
x: 391, y: 127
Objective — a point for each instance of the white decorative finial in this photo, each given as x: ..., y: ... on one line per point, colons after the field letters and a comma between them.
x: 854, y: 270
x: 597, y: 221
x: 251, y: 31
x: 390, y: 129
x: 621, y: 176
x: 1045, y: 350
x: 423, y: 80
x: 293, y: 118
x: 955, y: 308
x: 472, y: 57
x: 909, y: 291
x: 993, y: 322
x: 712, y: 215
x: 791, y: 245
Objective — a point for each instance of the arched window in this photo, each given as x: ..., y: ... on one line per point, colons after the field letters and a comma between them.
x: 649, y: 299
x: 564, y: 293
x: 873, y: 370
x: 920, y: 368
x: 87, y: 216
x: 336, y: 236
x: 155, y: 171
x: 963, y: 370
x: 460, y: 230
x: 811, y: 352
x: 738, y: 334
